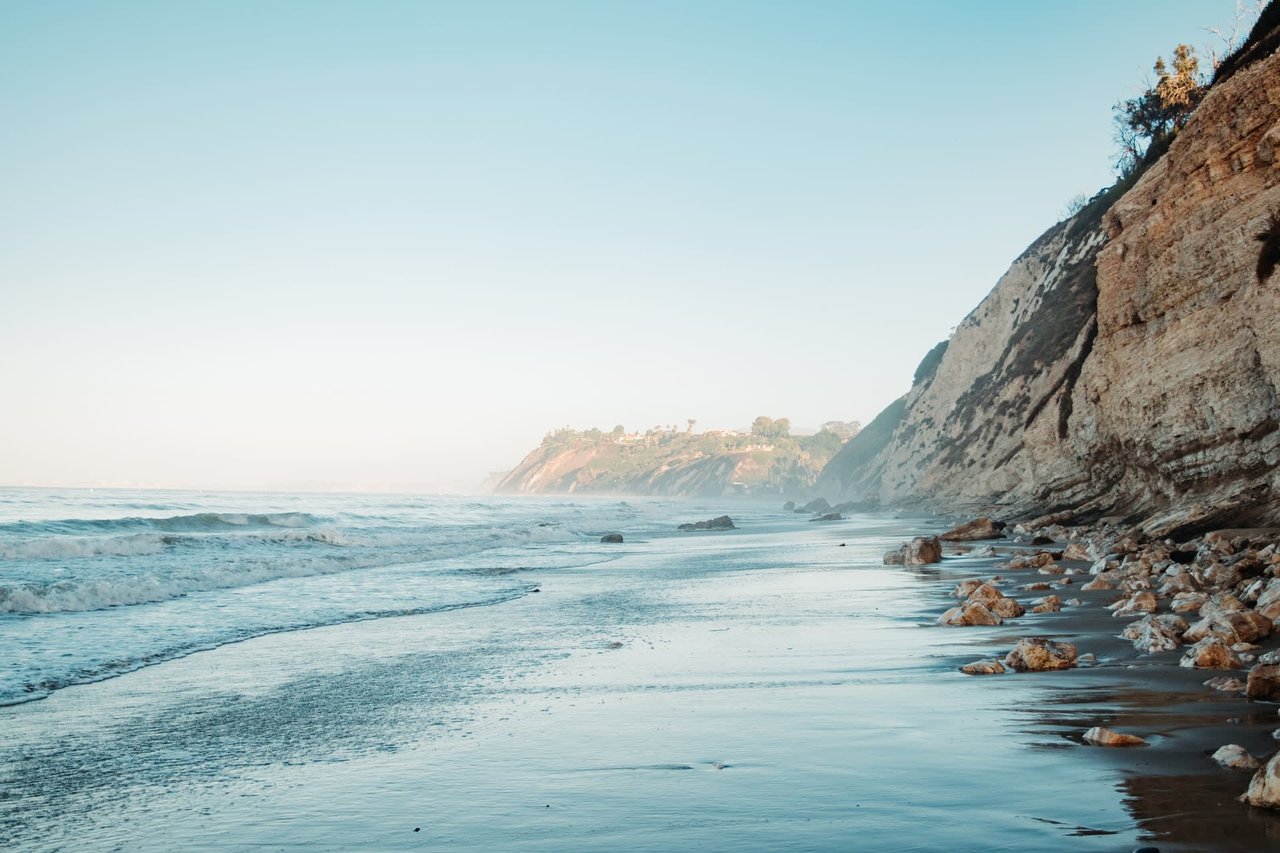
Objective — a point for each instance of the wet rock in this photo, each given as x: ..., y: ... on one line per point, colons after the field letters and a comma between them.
x: 1087, y: 659
x: 1098, y: 583
x: 1099, y: 736
x: 722, y: 522
x: 1269, y: 600
x: 966, y: 587
x: 1037, y: 654
x: 1138, y: 604
x: 983, y: 551
x: 1188, y: 602
x: 986, y: 666
x: 1236, y: 757
x: 1156, y: 633
x: 1221, y: 602
x: 1031, y: 561
x: 920, y: 551
x: 1037, y: 586
x: 611, y: 538
x: 1232, y: 626
x: 1211, y: 653
x: 830, y: 516
x: 1226, y: 683
x: 1077, y: 551
x: 1264, y: 788
x: 816, y: 505
x: 996, y: 601
x: 1041, y: 540
x: 970, y: 613
x: 979, y: 528
x: 1048, y: 604
x: 789, y: 506
x: 1051, y: 569
x: 1074, y: 602
x: 1264, y: 682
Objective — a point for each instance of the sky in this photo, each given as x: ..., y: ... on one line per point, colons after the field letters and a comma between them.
x: 378, y: 245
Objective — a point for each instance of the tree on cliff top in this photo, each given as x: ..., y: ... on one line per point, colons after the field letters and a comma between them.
x: 766, y: 427
x: 1155, y: 116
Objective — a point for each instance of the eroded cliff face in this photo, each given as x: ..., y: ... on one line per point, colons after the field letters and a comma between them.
x: 1127, y: 367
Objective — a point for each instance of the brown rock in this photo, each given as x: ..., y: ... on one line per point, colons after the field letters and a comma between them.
x: 986, y: 666
x: 979, y: 528
x: 1211, y: 653
x: 1077, y: 551
x: 1031, y: 561
x: 1097, y: 583
x: 1037, y: 654
x: 1269, y: 600
x: 970, y: 613
x: 1099, y: 736
x: 996, y: 601
x: 1226, y: 683
x: 1138, y: 604
x: 965, y: 587
x: 1156, y: 633
x: 1048, y: 604
x: 1233, y: 626
x: 1264, y: 682
x: 1188, y: 602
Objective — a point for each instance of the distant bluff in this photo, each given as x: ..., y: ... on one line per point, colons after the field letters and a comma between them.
x: 768, y: 460
x: 1127, y: 363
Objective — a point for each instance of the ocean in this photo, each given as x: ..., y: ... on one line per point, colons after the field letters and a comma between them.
x: 233, y: 671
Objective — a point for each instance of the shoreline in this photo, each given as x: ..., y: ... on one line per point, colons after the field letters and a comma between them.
x: 1175, y: 640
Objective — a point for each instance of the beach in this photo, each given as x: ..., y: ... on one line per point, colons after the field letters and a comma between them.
x: 772, y: 687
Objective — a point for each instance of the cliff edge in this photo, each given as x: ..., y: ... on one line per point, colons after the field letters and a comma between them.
x: 1127, y: 363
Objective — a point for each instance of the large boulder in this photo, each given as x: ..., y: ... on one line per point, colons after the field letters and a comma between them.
x: 1031, y: 561
x: 1037, y: 654
x: 1048, y: 604
x: 979, y: 528
x: 1211, y: 653
x: 1077, y: 551
x: 920, y: 551
x: 1264, y: 682
x: 1269, y: 601
x: 970, y: 613
x: 722, y: 522
x: 1099, y: 736
x: 1138, y: 604
x: 1264, y: 788
x: 816, y: 505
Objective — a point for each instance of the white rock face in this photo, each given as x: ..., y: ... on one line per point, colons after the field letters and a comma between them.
x: 1236, y: 757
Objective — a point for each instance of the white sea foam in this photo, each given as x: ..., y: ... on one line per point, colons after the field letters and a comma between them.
x: 70, y: 547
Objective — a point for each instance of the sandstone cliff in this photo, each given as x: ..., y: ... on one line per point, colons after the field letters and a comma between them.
x: 1127, y: 363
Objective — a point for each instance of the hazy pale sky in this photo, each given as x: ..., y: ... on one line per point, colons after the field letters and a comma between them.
x: 390, y: 244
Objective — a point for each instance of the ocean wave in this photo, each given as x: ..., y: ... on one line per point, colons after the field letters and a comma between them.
x: 65, y: 547
x: 42, y: 688
x: 193, y: 523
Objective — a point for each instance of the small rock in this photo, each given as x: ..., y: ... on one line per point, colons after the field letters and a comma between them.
x: 970, y: 613
x: 1074, y: 602
x: 1156, y: 633
x: 611, y: 537
x: 1138, y: 604
x: 1264, y: 788
x: 920, y: 551
x: 1037, y: 654
x: 1098, y: 583
x: 979, y: 528
x: 1211, y: 653
x: 1226, y: 683
x: 1099, y: 736
x: 1076, y: 551
x: 722, y: 522
x: 986, y: 666
x: 1236, y: 757
x: 830, y: 516
x: 965, y: 587
x: 1048, y: 604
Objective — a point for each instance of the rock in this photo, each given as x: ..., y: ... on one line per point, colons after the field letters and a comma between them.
x: 1211, y: 653
x: 1156, y: 633
x: 611, y: 537
x: 1226, y: 683
x: 1264, y: 682
x: 1076, y: 551
x: 1037, y: 654
x: 979, y: 528
x: 1037, y: 586
x: 1074, y: 602
x: 1048, y: 604
x: 996, y: 601
x: 1099, y: 736
x: 1031, y: 561
x: 1041, y: 540
x: 1051, y: 569
x: 986, y: 666
x: 920, y: 551
x: 1188, y: 602
x: 722, y: 522
x: 1141, y: 602
x: 830, y: 516
x: 789, y: 506
x: 1236, y: 757
x: 1264, y: 788
x: 1270, y: 657
x: 1221, y: 602
x: 816, y: 505
x: 983, y: 551
x: 970, y: 613
x: 1233, y: 626
x: 1097, y: 583
x: 966, y: 587
x: 1269, y: 600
